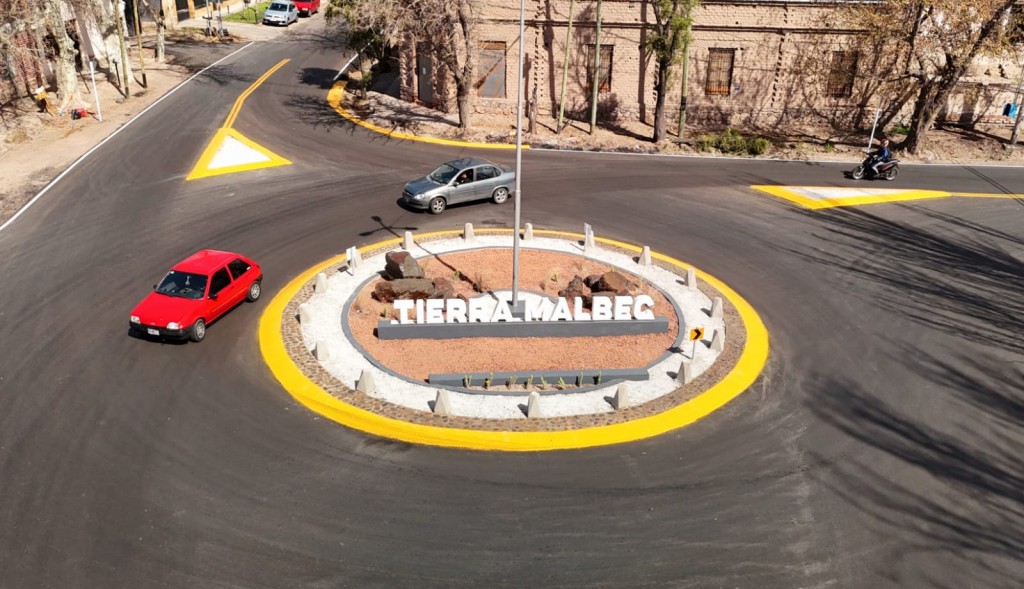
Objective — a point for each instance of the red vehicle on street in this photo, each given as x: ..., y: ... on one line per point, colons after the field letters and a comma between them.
x: 196, y: 291
x: 307, y: 7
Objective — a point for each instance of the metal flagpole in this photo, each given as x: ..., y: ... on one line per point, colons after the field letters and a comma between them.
x: 519, y: 155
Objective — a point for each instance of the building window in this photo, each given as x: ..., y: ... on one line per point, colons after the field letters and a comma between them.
x: 606, y: 68
x: 719, y: 80
x: 842, y: 73
x: 491, y: 80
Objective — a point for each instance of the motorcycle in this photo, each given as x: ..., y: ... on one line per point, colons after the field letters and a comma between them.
x: 887, y: 171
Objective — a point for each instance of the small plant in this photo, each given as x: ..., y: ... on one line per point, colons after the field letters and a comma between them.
x: 732, y: 142
x: 899, y: 130
x: 829, y: 147
x: 384, y: 311
x: 758, y: 146
x: 480, y: 282
x: 543, y: 383
x: 705, y: 143
x: 561, y: 383
x: 597, y: 379
x: 457, y: 275
x: 529, y: 382
x: 467, y: 381
x: 512, y: 381
x: 579, y: 379
x: 487, y: 381
x: 555, y: 274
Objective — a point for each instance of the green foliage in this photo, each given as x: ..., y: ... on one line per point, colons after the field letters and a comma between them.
x: 829, y: 147
x: 467, y: 381
x: 512, y: 381
x: 488, y: 380
x: 529, y: 382
x: 543, y: 383
x: 253, y: 14
x: 733, y: 142
x: 598, y: 378
x: 899, y: 130
x: 561, y: 383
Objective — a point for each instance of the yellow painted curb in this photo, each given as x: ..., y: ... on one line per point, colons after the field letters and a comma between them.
x: 987, y: 195
x: 786, y: 193
x: 306, y: 392
x: 202, y: 168
x: 337, y: 92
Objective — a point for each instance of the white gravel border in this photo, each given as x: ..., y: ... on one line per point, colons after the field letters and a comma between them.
x: 343, y: 360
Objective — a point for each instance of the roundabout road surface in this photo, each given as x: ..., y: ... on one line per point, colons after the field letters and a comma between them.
x: 880, y: 448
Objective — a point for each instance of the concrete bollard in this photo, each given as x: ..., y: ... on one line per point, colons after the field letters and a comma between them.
x: 533, y: 405
x: 645, y: 256
x: 588, y: 238
x: 718, y: 341
x: 685, y: 372
x: 528, y: 232
x: 305, y: 314
x: 467, y: 233
x: 407, y: 242
x: 691, y: 278
x: 354, y: 258
x: 716, y: 308
x: 320, y: 286
x: 442, y: 404
x: 365, y: 383
x: 621, y: 398
x: 323, y: 350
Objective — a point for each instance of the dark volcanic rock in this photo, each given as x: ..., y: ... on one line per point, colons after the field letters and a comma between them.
x: 400, y: 265
x: 613, y: 282
x: 443, y: 288
x: 575, y: 288
x: 591, y: 280
x: 404, y: 288
x: 600, y: 295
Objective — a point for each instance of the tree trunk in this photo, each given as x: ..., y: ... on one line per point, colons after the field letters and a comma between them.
x: 67, y: 80
x: 463, y: 98
x: 661, y: 89
x: 161, y: 32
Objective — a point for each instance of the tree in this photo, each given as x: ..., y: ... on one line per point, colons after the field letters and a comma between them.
x: 668, y: 39
x: 449, y: 26
x: 67, y: 80
x: 939, y: 39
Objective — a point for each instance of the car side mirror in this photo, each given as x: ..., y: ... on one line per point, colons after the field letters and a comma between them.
x: 154, y: 287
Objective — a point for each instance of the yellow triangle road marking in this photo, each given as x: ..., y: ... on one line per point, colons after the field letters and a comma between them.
x: 229, y: 151
x: 823, y: 197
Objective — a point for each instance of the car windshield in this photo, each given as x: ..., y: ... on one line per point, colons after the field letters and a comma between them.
x: 182, y: 284
x: 278, y: 6
x: 443, y: 174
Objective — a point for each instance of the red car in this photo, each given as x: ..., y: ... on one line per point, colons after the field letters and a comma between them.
x: 307, y: 7
x: 197, y: 291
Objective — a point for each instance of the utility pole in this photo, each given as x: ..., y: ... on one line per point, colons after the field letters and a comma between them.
x: 597, y: 72
x: 565, y: 69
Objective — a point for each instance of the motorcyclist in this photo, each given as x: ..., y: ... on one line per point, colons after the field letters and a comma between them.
x: 880, y: 156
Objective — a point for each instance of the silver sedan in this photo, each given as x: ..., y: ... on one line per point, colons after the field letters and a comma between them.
x: 457, y: 181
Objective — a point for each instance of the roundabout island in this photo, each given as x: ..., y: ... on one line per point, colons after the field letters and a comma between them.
x: 417, y: 339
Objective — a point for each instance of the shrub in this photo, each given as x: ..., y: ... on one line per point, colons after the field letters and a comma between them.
x: 732, y: 142
x: 758, y: 146
x: 899, y: 130
x: 706, y: 143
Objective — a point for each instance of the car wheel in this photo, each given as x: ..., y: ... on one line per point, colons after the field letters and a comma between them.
x: 198, y: 331
x: 857, y: 173
x: 500, y: 195
x: 254, y: 292
x: 437, y: 205
x: 891, y: 173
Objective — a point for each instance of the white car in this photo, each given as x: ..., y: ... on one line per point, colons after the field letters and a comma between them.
x: 281, y: 12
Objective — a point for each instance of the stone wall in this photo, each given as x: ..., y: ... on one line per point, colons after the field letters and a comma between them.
x: 782, y: 58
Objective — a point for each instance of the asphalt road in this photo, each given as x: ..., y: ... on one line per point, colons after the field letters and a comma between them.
x: 880, y: 448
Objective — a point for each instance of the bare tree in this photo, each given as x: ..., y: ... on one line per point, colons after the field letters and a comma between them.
x: 668, y: 39
x: 67, y: 80
x: 449, y: 26
x: 941, y: 39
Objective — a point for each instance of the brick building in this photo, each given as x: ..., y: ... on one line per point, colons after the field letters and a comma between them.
x: 761, y: 64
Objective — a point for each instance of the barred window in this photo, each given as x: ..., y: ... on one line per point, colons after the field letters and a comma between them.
x: 842, y: 73
x: 606, y: 68
x: 719, y: 82
x: 491, y: 79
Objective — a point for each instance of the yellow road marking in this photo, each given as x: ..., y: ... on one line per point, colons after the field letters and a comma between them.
x: 789, y: 193
x: 987, y: 195
x: 204, y: 169
x: 306, y: 392
x: 262, y: 157
x: 241, y: 99
x: 337, y: 92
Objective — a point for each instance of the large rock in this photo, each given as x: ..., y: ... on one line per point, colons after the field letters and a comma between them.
x: 575, y: 288
x: 387, y: 291
x: 614, y: 282
x: 591, y: 280
x: 600, y: 295
x: 401, y: 264
x: 443, y: 288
